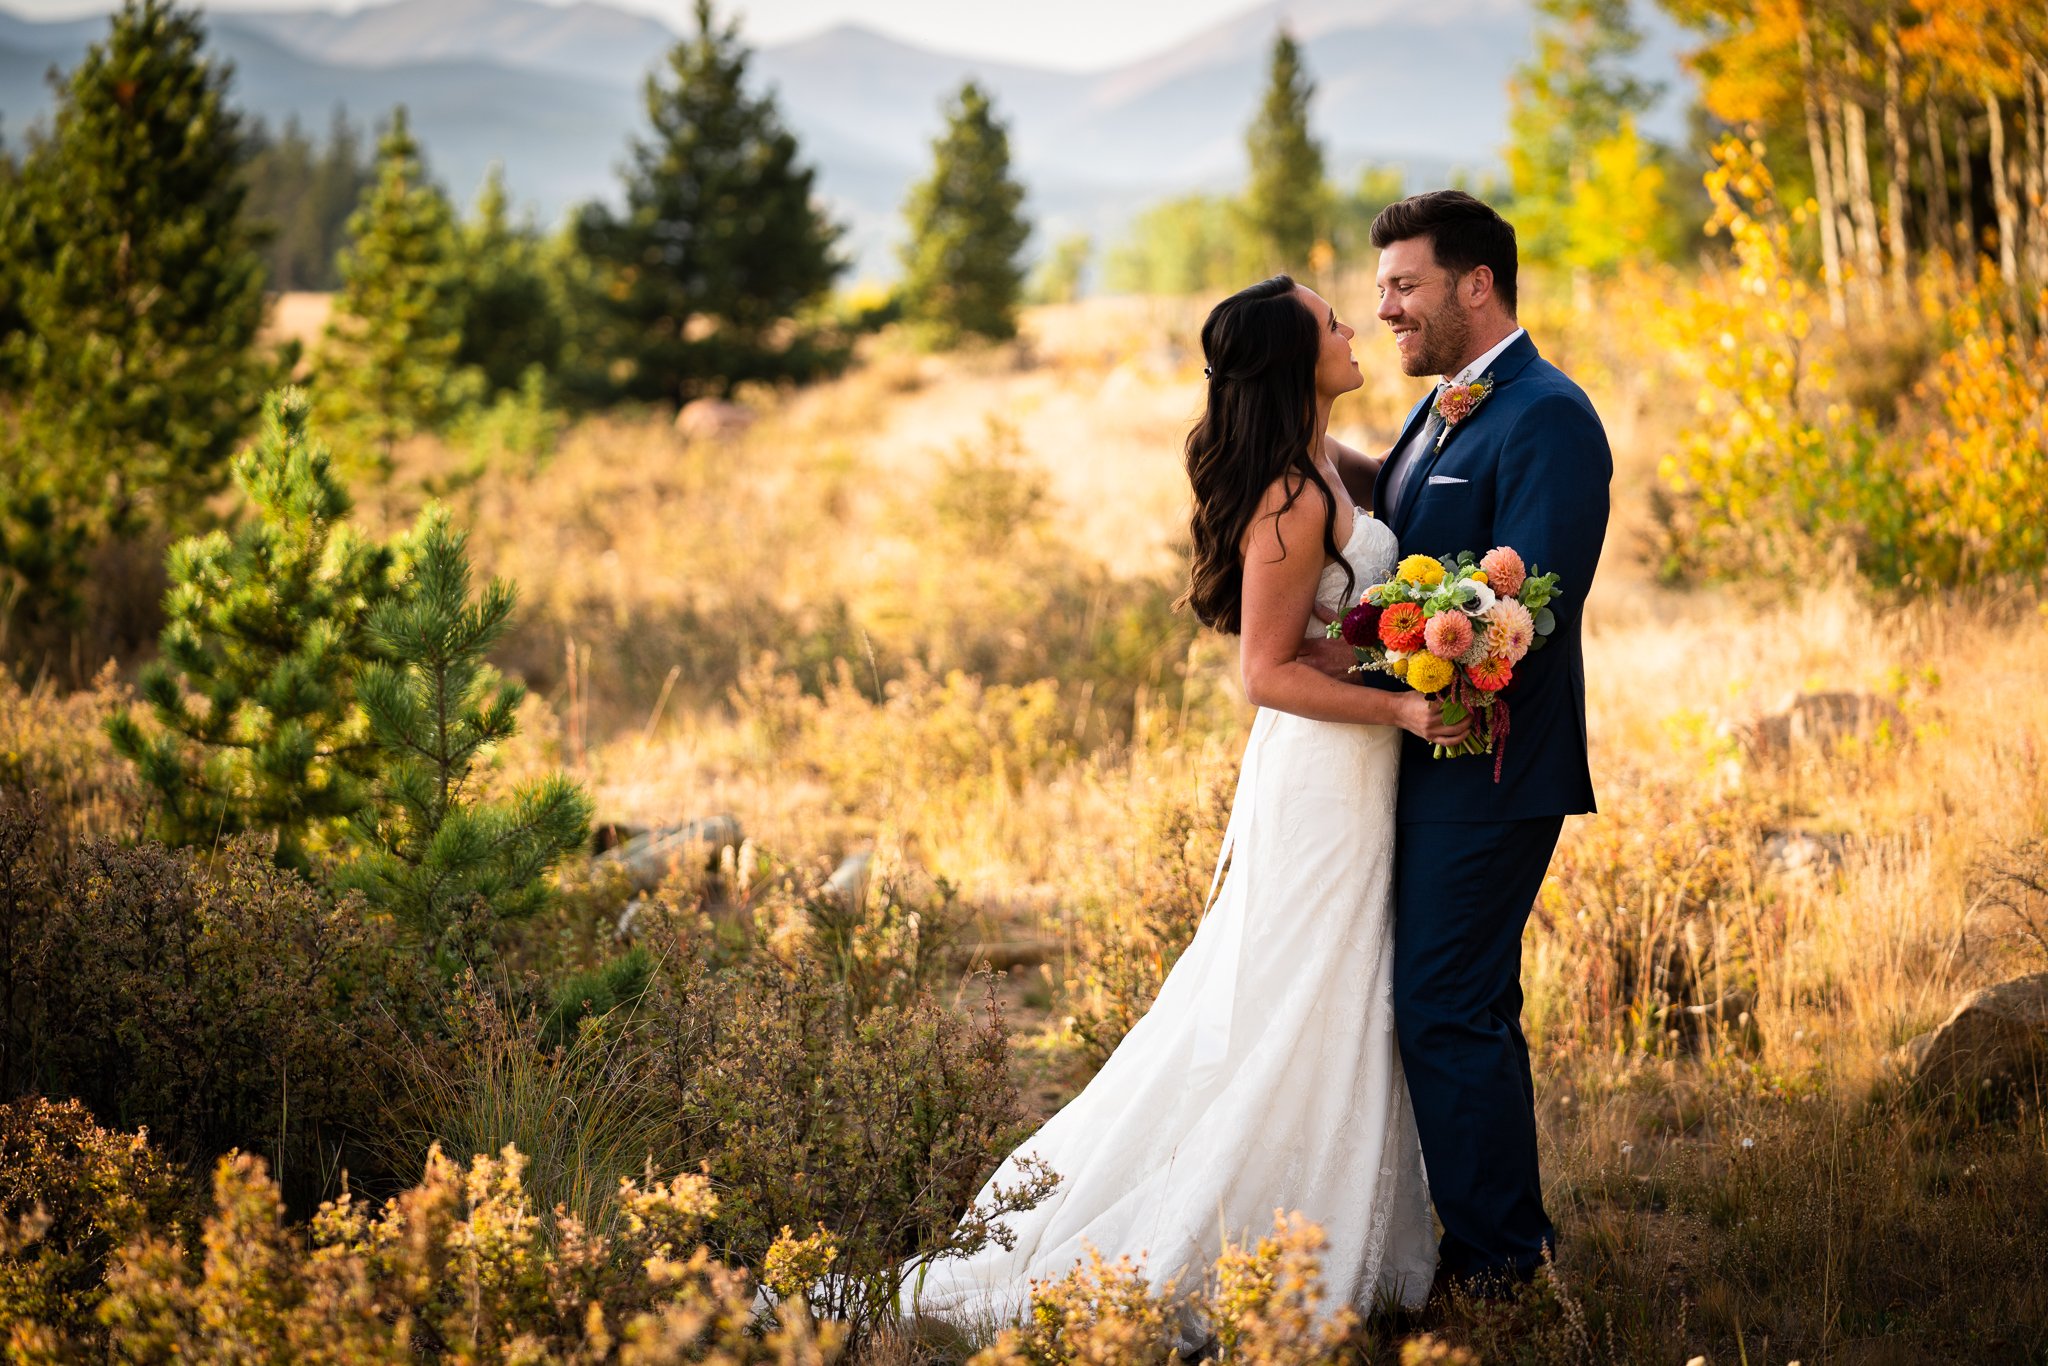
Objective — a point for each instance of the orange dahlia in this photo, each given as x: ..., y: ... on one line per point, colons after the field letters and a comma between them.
x: 1491, y: 674
x: 1402, y: 626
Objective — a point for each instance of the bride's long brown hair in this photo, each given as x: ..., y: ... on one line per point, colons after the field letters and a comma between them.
x: 1260, y: 417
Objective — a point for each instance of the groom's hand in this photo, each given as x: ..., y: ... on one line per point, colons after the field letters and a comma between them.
x: 1333, y: 657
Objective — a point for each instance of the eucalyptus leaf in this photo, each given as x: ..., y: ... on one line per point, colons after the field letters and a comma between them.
x: 1546, y: 622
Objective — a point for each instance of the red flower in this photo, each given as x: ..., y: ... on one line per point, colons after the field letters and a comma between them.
x: 1491, y: 674
x: 1402, y: 625
x: 1361, y: 626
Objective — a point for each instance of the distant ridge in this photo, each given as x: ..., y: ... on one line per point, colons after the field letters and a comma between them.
x: 553, y: 92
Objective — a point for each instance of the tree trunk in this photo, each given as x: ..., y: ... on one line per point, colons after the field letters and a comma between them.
x: 1838, y: 172
x: 1823, y: 183
x: 1941, y: 225
x: 1967, y: 183
x: 1897, y: 168
x: 2001, y: 195
x: 1870, y: 255
x: 2036, y: 229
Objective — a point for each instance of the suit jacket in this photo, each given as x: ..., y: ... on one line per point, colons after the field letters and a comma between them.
x: 1533, y: 465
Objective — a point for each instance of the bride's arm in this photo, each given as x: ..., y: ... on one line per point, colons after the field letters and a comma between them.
x: 1283, y: 561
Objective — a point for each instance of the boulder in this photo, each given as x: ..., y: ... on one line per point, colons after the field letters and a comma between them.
x: 1822, y: 720
x: 1996, y: 1039
x: 712, y: 419
x: 648, y: 858
x: 1803, y: 853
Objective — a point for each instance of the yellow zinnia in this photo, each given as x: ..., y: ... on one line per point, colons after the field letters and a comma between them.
x: 1427, y: 673
x: 1421, y: 569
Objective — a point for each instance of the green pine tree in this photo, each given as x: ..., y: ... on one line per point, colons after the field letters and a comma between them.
x: 266, y: 630
x: 721, y: 244
x: 389, y: 363
x: 137, y: 292
x: 510, y: 322
x: 1287, y: 204
x: 962, y: 272
x: 444, y: 864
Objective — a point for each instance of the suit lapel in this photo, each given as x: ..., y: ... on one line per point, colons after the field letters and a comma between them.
x: 1416, y: 415
x: 1505, y: 367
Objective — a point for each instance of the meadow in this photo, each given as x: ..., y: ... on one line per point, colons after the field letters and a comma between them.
x: 923, y: 610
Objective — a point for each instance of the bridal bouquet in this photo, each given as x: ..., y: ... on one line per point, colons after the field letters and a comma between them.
x: 1458, y: 628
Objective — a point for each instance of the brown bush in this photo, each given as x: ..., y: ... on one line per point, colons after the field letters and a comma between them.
x: 218, y: 1001
x: 70, y: 1194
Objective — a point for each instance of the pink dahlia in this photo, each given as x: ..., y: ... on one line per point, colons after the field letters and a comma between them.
x: 1448, y: 634
x: 1504, y: 571
x: 1509, y: 629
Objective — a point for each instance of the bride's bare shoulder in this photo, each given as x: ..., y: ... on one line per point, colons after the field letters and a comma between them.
x: 1292, y: 507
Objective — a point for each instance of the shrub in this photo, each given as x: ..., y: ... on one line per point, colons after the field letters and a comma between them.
x: 1262, y: 1305
x: 70, y: 1194
x: 52, y: 743
x: 218, y: 1001
x: 878, y: 1128
x: 457, y: 1268
x: 1130, y: 930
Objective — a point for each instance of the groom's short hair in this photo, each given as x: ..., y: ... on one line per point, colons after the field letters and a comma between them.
x: 1464, y: 233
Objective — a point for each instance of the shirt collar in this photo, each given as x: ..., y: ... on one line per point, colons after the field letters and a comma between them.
x: 1478, y: 367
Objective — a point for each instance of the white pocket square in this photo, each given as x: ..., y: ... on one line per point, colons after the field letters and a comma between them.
x: 1447, y: 479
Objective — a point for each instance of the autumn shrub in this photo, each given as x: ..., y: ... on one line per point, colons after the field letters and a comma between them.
x: 1972, y: 452
x: 1130, y: 927
x: 51, y: 742
x: 70, y: 1194
x: 217, y: 1000
x: 1772, y: 473
x: 1262, y: 1304
x: 878, y: 1127
x: 458, y: 1268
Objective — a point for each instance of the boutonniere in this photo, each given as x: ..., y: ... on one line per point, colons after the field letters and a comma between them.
x: 1458, y: 402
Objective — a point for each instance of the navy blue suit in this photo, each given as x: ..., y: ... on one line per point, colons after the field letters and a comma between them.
x: 1471, y: 854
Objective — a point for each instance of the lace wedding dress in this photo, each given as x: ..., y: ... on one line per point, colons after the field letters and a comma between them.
x: 1266, y: 1075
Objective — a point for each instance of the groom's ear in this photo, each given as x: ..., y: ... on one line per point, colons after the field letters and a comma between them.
x: 1477, y: 286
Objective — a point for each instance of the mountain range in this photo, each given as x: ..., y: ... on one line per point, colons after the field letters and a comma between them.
x: 554, y: 92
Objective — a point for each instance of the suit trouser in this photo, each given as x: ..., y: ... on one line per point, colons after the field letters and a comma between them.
x: 1462, y: 894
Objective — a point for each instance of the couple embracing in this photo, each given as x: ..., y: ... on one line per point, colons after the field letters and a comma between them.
x: 1342, y: 1036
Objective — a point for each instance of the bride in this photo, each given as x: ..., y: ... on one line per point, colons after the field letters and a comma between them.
x: 1266, y: 1075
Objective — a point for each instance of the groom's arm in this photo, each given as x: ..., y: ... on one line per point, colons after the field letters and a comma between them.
x: 1551, y: 497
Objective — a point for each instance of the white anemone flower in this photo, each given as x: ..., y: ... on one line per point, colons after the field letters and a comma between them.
x: 1482, y: 597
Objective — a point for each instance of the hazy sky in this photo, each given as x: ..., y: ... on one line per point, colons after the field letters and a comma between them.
x: 1071, y: 34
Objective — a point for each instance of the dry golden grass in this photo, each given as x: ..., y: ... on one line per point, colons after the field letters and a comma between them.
x: 771, y: 626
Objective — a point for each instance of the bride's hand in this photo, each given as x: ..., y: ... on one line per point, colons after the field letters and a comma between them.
x: 1424, y: 717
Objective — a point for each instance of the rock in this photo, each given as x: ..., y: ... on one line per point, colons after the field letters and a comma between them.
x: 650, y: 857
x: 1803, y: 853
x: 1732, y: 1018
x: 1997, y: 1039
x: 848, y: 884
x: 1823, y: 720
x: 711, y: 419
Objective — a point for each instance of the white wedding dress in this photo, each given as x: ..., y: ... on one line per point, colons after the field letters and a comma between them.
x: 1266, y: 1076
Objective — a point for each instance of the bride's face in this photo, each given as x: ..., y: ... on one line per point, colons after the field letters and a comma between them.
x: 1337, y: 369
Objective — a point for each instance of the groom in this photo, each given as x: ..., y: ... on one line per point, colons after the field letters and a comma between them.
x: 1527, y: 468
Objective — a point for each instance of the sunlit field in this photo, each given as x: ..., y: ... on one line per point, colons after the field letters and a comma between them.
x: 570, y: 799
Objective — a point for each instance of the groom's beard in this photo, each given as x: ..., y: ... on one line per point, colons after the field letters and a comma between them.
x: 1444, y: 334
